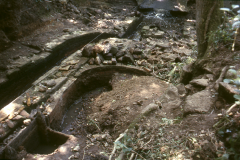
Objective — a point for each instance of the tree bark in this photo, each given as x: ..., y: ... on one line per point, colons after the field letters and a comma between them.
x: 208, y: 17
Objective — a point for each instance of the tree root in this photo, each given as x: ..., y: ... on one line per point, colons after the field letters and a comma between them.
x: 220, y: 79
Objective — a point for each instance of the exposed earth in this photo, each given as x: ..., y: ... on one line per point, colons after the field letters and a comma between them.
x: 114, y: 80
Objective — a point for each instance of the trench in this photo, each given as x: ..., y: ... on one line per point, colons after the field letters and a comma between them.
x: 38, y: 138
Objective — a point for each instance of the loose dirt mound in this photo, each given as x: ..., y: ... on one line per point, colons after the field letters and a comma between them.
x: 137, y: 106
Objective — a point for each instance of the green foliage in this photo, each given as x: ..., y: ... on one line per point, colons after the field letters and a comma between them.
x: 235, y: 82
x: 225, y: 122
x: 225, y: 33
x: 221, y: 36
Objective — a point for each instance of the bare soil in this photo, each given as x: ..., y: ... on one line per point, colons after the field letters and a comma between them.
x: 100, y: 116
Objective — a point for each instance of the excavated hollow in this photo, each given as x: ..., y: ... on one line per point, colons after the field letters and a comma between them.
x: 41, y: 137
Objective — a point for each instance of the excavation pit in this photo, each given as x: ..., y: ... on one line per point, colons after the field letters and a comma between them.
x: 72, y: 112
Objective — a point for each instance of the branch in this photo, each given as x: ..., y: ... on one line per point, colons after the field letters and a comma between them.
x: 235, y: 36
x: 115, y: 144
x: 234, y: 105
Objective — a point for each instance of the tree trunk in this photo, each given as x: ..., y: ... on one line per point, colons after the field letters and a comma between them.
x: 208, y: 17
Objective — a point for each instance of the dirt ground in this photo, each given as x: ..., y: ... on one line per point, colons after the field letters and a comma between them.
x: 153, y: 132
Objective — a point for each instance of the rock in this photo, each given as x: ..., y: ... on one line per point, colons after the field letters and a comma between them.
x: 18, y: 117
x: 2, y: 131
x: 98, y: 48
x: 182, y: 51
x: 120, y: 53
x: 137, y: 57
x: 13, y: 114
x: 88, y: 51
x: 10, y: 123
x: 108, y: 56
x: 171, y: 102
x: 98, y: 60
x: 181, y: 89
x: 66, y: 30
x: 227, y: 91
x: 106, y: 48
x: 49, y: 83
x: 231, y: 74
x: 41, y: 88
x: 163, y: 45
x: 137, y: 51
x: 120, y: 59
x: 200, y: 82
x: 149, y: 108
x: 27, y: 122
x: 114, y: 61
x: 199, y: 102
x: 171, y: 94
x: 65, y: 68
x: 76, y: 149
x: 145, y: 27
x: 63, y: 1
x: 128, y: 58
x: 114, y: 50
x: 169, y: 57
x: 137, y: 14
x: 210, y: 77
x: 105, y: 62
x: 189, y: 87
x: 158, y: 34
x: 33, y: 113
x: 77, y: 155
x: 24, y: 114
x: 98, y: 11
x: 186, y: 74
x: 91, y: 61
x: 72, y: 62
x: 100, y: 137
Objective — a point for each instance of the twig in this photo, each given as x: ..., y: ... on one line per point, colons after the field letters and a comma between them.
x: 84, y: 151
x: 148, y: 141
x: 138, y: 154
x: 131, y: 157
x: 115, y: 144
x: 96, y: 125
x: 234, y: 105
x: 234, y: 39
